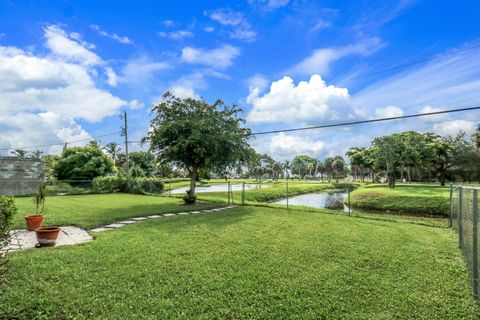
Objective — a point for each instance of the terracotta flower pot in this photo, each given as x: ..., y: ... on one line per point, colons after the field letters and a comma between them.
x: 34, y: 222
x: 47, y: 236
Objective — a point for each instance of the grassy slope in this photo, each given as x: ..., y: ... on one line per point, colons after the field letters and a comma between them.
x: 417, y: 199
x: 247, y: 263
x: 88, y: 211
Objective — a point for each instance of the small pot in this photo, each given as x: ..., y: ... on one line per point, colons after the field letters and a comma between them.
x: 34, y: 222
x: 47, y: 236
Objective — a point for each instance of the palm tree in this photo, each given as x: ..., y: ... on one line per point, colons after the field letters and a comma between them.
x: 277, y: 168
x: 338, y: 165
x: 19, y: 153
x: 113, y: 149
x: 320, y: 168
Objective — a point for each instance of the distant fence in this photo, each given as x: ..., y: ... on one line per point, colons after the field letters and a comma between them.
x: 464, y: 219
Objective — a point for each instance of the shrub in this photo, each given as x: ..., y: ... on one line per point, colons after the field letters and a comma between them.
x: 7, y: 210
x: 334, y: 203
x: 110, y: 184
x: 189, y: 198
x: 128, y: 184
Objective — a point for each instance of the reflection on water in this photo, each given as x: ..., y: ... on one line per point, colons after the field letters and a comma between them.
x: 316, y: 200
x: 221, y: 188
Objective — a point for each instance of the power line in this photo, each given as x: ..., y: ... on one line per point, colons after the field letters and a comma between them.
x: 367, y: 121
x: 61, y: 143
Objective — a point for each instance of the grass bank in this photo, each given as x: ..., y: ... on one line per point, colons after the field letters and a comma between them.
x: 412, y: 199
x: 89, y: 211
x: 247, y: 262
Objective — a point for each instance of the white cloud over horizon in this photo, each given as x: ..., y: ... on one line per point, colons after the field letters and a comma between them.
x: 241, y: 28
x: 306, y: 102
x: 43, y: 96
x: 114, y: 36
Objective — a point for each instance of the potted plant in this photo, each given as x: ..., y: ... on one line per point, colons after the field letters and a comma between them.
x: 35, y: 221
x: 45, y: 236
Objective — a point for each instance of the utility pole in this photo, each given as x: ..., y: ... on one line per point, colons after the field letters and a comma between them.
x: 125, y: 134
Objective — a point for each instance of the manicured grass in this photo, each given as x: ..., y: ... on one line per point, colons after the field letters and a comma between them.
x: 414, y: 199
x: 249, y: 262
x: 89, y: 211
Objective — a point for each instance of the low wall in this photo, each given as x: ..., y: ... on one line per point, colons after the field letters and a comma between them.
x: 20, y: 176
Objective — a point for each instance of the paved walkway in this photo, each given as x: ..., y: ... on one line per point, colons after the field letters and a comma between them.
x: 23, y: 239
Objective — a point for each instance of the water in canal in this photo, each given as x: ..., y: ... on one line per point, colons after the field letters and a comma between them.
x: 315, y: 200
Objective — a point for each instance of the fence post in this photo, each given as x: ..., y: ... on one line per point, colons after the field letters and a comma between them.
x: 450, y: 217
x: 475, y: 244
x: 228, y: 192
x: 243, y: 193
x: 231, y: 195
x: 460, y: 227
x: 287, y: 193
x: 349, y: 208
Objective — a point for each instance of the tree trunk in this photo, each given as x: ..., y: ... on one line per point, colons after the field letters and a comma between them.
x: 193, y: 180
x: 391, y: 180
x: 442, y: 178
x: 409, y: 174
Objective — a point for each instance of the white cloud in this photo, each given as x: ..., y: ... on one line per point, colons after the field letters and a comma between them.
x: 28, y: 82
x: 176, y: 35
x: 142, y: 70
x: 435, y: 118
x: 42, y: 97
x: 209, y: 29
x: 452, y: 127
x: 221, y: 57
x: 112, y: 77
x: 30, y: 129
x: 321, y: 24
x: 135, y: 104
x: 321, y: 59
x: 186, y: 86
x: 388, y: 112
x: 450, y: 80
x: 241, y: 27
x: 114, y: 36
x: 284, y: 146
x: 257, y: 81
x: 69, y: 49
x: 269, y: 5
x: 168, y: 23
x: 308, y: 102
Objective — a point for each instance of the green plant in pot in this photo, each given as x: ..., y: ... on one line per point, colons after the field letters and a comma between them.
x: 45, y: 236
x: 35, y: 221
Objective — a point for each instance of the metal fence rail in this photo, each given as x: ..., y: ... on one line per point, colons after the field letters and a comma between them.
x: 464, y: 219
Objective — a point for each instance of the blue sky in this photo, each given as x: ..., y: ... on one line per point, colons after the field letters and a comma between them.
x: 68, y: 69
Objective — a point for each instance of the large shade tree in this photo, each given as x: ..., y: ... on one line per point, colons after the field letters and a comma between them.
x: 83, y: 163
x: 196, y: 135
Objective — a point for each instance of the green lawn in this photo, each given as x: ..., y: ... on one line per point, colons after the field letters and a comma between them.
x: 89, y: 211
x: 249, y: 262
x: 413, y: 199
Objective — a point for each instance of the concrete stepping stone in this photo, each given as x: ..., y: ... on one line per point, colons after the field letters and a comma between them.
x: 194, y: 212
x: 99, y: 229
x: 114, y: 225
x: 23, y: 239
x: 184, y: 213
x: 127, y: 221
x: 140, y: 218
x: 169, y: 214
x: 154, y: 216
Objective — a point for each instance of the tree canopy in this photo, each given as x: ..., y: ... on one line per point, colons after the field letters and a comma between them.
x: 83, y: 163
x: 196, y: 135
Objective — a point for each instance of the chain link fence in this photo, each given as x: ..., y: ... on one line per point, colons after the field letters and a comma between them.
x: 464, y: 219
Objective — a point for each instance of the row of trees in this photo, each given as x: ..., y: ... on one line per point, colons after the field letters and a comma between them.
x: 415, y: 156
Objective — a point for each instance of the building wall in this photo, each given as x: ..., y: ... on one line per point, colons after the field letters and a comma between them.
x: 20, y: 176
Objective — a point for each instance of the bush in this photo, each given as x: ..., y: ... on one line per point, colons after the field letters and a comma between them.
x: 7, y: 210
x: 128, y: 184
x: 189, y: 198
x: 110, y: 184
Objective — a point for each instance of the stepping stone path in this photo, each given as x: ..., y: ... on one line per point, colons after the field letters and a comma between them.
x: 23, y: 239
